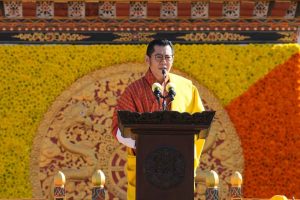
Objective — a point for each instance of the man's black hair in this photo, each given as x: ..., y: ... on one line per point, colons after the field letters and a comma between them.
x: 158, y: 42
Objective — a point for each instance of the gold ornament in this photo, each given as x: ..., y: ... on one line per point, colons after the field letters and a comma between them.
x: 236, y: 180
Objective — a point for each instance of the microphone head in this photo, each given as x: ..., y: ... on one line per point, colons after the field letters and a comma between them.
x: 156, y: 87
x: 170, y: 86
x: 164, y: 72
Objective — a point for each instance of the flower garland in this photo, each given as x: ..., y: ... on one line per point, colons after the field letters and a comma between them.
x: 31, y: 77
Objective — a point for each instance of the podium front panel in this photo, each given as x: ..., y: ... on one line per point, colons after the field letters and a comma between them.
x: 165, y: 167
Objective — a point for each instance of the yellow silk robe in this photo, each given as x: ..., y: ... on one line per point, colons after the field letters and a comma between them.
x: 186, y: 100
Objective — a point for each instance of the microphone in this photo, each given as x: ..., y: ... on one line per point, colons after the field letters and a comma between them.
x: 164, y: 73
x: 156, y: 89
x: 171, y: 90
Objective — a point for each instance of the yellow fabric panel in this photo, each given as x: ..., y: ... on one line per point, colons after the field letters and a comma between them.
x: 131, y: 174
x: 183, y: 102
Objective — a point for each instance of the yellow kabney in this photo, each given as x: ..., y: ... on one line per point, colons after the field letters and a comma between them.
x: 186, y: 100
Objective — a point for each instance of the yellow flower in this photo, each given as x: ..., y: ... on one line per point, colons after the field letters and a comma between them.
x: 31, y: 77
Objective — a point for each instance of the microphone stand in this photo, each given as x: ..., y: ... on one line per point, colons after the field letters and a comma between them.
x: 164, y: 103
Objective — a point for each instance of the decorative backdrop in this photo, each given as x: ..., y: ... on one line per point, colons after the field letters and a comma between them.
x: 258, y: 85
x: 75, y: 137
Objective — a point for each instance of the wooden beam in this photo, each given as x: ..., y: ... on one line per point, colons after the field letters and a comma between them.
x: 246, y: 8
x: 60, y: 9
x: 153, y: 10
x: 279, y: 8
x: 184, y: 10
x: 29, y: 9
x: 215, y: 8
x: 122, y: 9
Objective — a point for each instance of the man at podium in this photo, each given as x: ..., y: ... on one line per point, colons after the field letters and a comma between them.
x: 139, y: 97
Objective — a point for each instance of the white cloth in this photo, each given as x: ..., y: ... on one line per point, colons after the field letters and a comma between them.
x: 126, y: 141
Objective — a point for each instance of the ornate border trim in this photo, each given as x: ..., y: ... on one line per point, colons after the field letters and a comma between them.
x: 143, y: 37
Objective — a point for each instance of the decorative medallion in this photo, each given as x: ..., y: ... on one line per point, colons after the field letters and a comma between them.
x: 168, y: 9
x: 164, y: 167
x: 45, y: 9
x: 107, y: 9
x: 231, y: 9
x: 199, y: 9
x: 134, y: 36
x: 291, y: 12
x: 76, y: 9
x: 138, y: 9
x: 75, y: 138
x: 213, y: 36
x: 50, y: 37
x: 13, y: 9
x: 261, y: 9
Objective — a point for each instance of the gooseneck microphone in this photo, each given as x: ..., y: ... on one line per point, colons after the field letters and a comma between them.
x: 164, y: 73
x: 156, y: 89
x: 171, y: 91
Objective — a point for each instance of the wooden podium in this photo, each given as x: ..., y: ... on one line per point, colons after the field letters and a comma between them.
x: 164, y: 151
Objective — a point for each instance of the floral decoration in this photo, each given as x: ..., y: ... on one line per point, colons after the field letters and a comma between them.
x: 267, y: 118
x: 229, y: 70
x: 33, y: 76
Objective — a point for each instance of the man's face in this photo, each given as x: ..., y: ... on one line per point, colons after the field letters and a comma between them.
x: 161, y: 58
